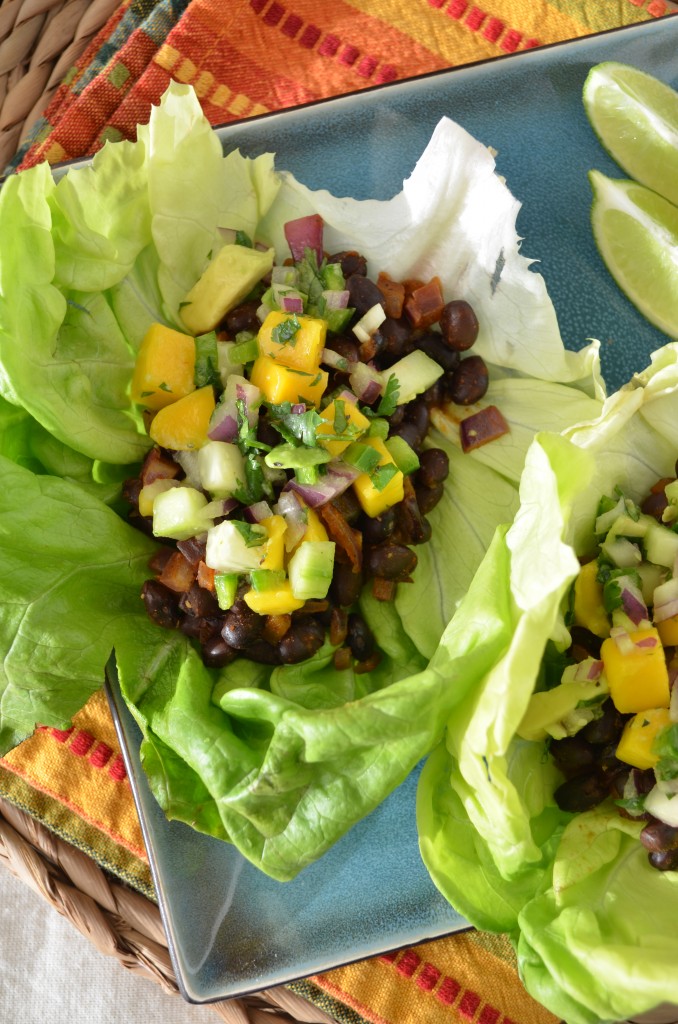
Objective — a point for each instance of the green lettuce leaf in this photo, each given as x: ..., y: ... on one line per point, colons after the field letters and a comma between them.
x: 592, y: 921
x: 280, y: 762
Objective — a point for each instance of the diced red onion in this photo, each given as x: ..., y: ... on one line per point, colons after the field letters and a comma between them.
x: 223, y: 424
x: 260, y: 510
x: 305, y: 233
x: 294, y: 514
x: 299, y: 408
x: 220, y: 507
x: 347, y: 396
x: 224, y: 420
x: 261, y: 246
x: 647, y: 642
x: 292, y: 304
x: 336, y: 299
x: 633, y: 604
x: 331, y: 484
x: 366, y: 383
x: 588, y: 670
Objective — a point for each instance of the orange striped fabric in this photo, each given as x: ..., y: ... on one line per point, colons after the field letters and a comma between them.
x: 245, y: 58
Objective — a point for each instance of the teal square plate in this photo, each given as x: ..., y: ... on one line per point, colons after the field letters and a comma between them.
x: 232, y: 930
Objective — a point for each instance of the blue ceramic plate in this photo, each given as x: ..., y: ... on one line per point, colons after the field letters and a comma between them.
x: 232, y: 930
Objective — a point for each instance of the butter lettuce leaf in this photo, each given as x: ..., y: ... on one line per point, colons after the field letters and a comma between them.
x: 591, y: 920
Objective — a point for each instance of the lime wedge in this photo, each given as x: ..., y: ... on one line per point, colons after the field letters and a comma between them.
x: 636, y: 232
x: 635, y: 116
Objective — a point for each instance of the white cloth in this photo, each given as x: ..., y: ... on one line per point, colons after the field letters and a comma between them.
x: 49, y: 971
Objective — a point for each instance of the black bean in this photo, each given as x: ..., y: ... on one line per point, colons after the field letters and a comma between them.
x: 428, y: 497
x: 242, y: 627
x: 585, y: 644
x: 346, y: 347
x: 266, y: 432
x: 572, y: 755
x: 351, y: 262
x: 198, y: 602
x: 359, y: 637
x: 434, y: 346
x: 658, y: 836
x: 412, y: 527
x: 301, y: 641
x: 243, y: 318
x: 216, y: 653
x: 162, y: 604
x: 193, y: 550
x: 346, y: 585
x: 131, y: 489
x: 434, y: 467
x: 376, y: 529
x: 394, y: 340
x: 459, y: 325
x: 349, y: 506
x: 605, y: 729
x: 263, y: 653
x: 581, y: 793
x: 655, y: 505
x: 363, y: 293
x: 664, y: 860
x: 469, y: 382
x: 391, y: 561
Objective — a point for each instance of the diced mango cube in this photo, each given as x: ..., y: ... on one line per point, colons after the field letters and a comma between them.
x: 354, y: 418
x: 372, y: 500
x: 184, y: 424
x: 165, y: 367
x: 279, y: 600
x: 589, y: 610
x: 638, y: 679
x: 637, y: 739
x: 304, y: 348
x: 668, y: 631
x: 280, y: 383
x: 275, y: 544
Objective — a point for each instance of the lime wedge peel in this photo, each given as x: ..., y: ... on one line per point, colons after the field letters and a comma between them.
x: 636, y: 232
x: 635, y: 117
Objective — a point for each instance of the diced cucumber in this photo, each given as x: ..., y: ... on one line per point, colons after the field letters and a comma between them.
x: 338, y: 319
x: 310, y: 569
x: 379, y: 428
x: 221, y: 467
x: 621, y: 552
x: 651, y: 577
x: 405, y: 457
x: 226, y: 362
x: 149, y: 493
x: 625, y: 526
x: 362, y: 457
x: 225, y: 586
x: 661, y: 545
x: 266, y: 579
x: 416, y: 372
x: 179, y: 513
x: 231, y: 549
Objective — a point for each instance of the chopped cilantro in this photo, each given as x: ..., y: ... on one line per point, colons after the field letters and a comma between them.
x: 242, y: 238
x: 247, y: 435
x: 253, y: 534
x: 381, y: 476
x: 285, y: 333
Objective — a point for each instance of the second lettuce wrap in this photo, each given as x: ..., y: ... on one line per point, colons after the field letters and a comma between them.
x: 593, y: 923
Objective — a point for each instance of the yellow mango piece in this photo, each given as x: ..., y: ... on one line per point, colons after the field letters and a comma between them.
x: 668, y: 631
x: 589, y: 610
x: 637, y: 739
x: 638, y: 680
x: 164, y: 369
x: 280, y: 383
x: 277, y: 601
x: 303, y: 350
x: 354, y: 417
x: 372, y: 500
x: 184, y: 424
x: 275, y: 544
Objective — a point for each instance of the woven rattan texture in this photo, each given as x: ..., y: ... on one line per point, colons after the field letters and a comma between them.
x: 39, y: 41
x: 119, y: 921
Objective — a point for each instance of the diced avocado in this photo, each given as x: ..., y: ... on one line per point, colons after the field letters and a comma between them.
x: 416, y: 372
x: 221, y: 467
x: 311, y: 568
x: 661, y: 545
x: 179, y: 513
x: 562, y: 711
x: 228, y: 278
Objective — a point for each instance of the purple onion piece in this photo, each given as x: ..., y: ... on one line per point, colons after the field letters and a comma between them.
x: 305, y: 233
x: 633, y: 604
x: 291, y: 304
x: 336, y: 299
x: 260, y: 510
x: 334, y: 482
